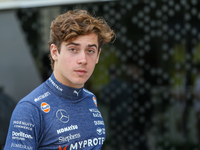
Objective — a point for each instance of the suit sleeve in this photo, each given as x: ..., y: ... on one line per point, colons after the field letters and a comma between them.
x: 25, y: 128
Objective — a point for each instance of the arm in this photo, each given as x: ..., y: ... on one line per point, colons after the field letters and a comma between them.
x: 25, y: 128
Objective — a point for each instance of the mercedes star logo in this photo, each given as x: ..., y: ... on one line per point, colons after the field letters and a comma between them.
x: 62, y: 115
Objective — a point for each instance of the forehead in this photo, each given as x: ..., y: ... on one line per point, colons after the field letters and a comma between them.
x: 91, y: 38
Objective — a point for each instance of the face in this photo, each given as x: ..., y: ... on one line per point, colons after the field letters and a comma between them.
x: 76, y: 61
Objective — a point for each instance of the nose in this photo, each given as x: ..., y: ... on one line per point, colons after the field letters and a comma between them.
x: 82, y: 58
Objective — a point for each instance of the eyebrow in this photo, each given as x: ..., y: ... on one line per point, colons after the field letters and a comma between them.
x: 72, y: 43
x: 76, y: 44
x: 92, y: 45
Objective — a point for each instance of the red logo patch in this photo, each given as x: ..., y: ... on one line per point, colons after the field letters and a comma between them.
x: 60, y: 148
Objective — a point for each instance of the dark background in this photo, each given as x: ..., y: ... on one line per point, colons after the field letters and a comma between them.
x: 147, y: 81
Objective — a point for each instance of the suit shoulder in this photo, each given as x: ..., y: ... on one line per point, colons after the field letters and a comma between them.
x: 37, y: 94
x: 88, y: 92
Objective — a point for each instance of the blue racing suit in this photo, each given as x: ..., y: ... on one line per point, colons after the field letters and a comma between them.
x: 56, y: 117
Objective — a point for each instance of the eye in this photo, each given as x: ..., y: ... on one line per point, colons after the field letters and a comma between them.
x: 73, y: 49
x: 90, y: 51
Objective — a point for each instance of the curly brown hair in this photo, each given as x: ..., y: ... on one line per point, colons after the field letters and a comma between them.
x: 74, y: 23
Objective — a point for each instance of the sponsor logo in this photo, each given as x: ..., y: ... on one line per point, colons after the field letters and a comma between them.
x: 87, y: 143
x: 55, y: 85
x: 100, y: 131
x: 77, y: 93
x: 97, y: 115
x: 42, y: 96
x: 99, y: 122
x: 60, y: 148
x: 95, y: 101
x: 69, y: 128
x: 94, y: 110
x: 62, y: 115
x: 45, y: 107
x: 21, y: 146
x: 20, y: 136
x: 69, y: 137
x: 23, y: 125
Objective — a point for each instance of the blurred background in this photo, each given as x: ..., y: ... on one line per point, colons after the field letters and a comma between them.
x: 147, y: 82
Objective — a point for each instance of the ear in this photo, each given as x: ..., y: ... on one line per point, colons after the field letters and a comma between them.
x: 98, y: 56
x: 54, y: 51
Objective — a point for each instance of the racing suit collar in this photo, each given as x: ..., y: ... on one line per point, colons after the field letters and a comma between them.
x: 63, y: 90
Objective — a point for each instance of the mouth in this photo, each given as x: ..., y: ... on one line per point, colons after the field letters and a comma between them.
x: 81, y: 72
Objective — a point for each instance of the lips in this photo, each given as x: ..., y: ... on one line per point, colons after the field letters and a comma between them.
x: 81, y: 72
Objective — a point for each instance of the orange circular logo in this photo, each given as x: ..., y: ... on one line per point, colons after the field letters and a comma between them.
x: 45, y: 107
x: 95, y: 101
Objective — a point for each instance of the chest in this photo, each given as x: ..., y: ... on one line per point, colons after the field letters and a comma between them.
x: 75, y: 125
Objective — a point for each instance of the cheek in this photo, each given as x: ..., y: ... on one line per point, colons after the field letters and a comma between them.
x: 93, y: 64
x: 93, y: 60
x: 67, y: 60
x: 65, y: 63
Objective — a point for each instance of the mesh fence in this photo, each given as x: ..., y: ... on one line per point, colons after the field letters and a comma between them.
x: 148, y: 81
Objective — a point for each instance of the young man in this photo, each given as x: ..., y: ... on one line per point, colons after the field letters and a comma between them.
x: 60, y: 114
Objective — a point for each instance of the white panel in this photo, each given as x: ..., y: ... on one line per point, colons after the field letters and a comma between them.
x: 18, y: 74
x: 15, y: 4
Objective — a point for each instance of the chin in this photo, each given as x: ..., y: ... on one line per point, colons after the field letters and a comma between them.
x: 79, y: 84
x: 79, y: 81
